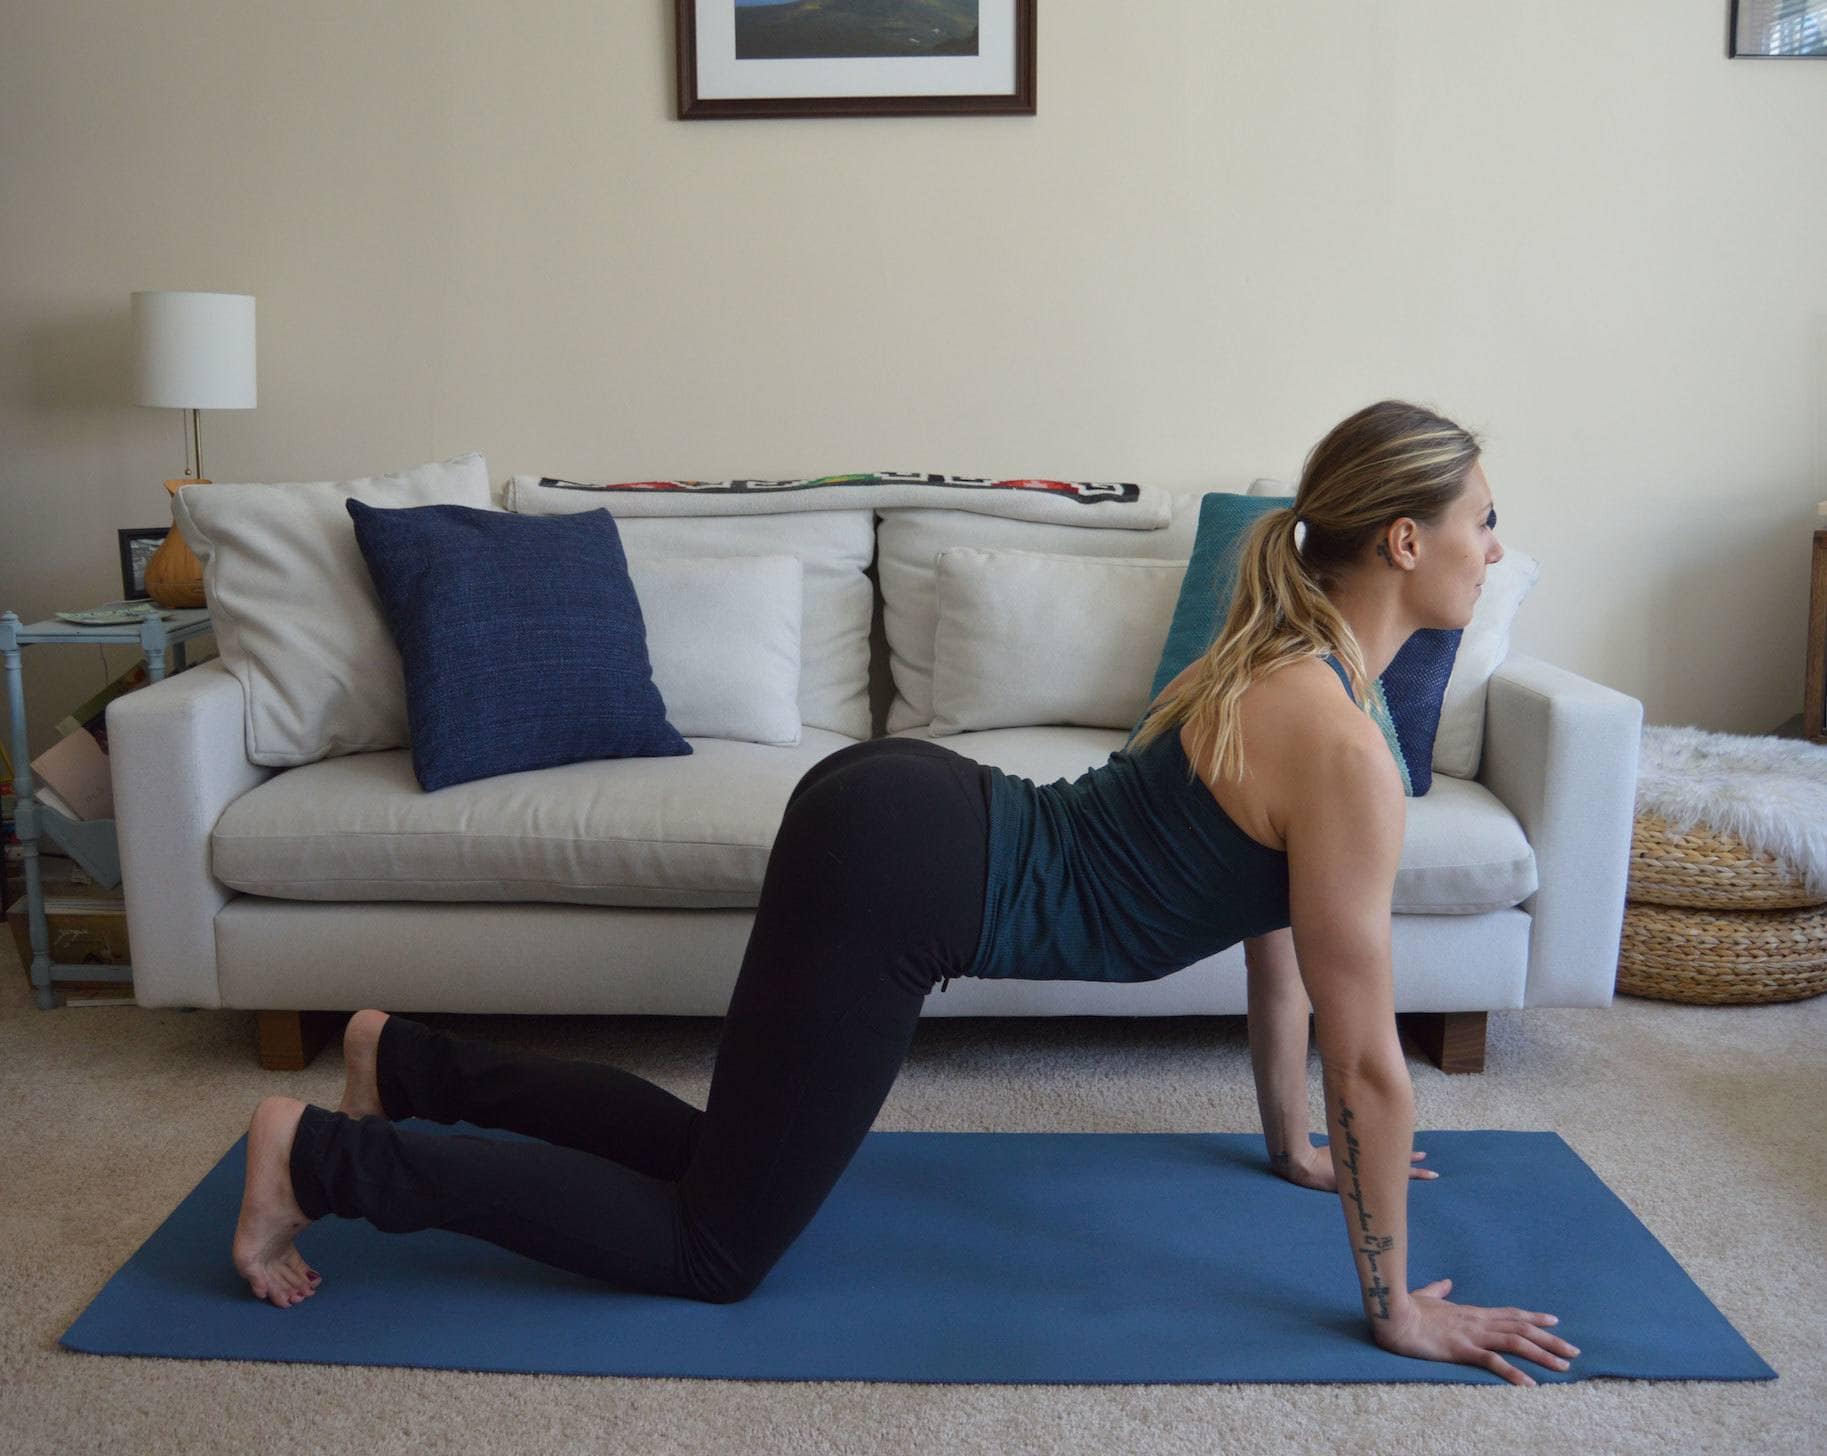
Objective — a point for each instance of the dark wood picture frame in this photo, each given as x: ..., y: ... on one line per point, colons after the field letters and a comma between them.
x: 1018, y: 102
x: 133, y: 582
x: 1734, y: 53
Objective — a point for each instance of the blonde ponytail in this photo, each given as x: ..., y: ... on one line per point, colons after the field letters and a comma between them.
x: 1388, y: 461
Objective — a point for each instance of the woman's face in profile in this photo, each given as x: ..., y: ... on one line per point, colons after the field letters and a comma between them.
x: 1471, y: 545
x: 1464, y: 548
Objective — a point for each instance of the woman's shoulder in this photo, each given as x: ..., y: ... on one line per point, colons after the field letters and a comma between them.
x: 1302, y: 702
x: 1304, y: 711
x: 1308, y: 697
x: 1294, y: 721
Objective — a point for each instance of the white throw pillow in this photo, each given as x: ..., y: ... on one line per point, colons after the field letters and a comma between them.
x: 1486, y: 643
x: 908, y: 544
x: 1027, y: 638
x: 723, y: 639
x: 296, y: 618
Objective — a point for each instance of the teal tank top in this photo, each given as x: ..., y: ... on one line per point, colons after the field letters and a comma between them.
x: 1130, y: 872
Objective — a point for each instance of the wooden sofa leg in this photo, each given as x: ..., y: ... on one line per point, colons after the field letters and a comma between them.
x: 290, y: 1039
x: 1452, y: 1040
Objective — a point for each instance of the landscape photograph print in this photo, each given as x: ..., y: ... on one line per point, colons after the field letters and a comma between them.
x: 822, y: 29
x: 741, y: 59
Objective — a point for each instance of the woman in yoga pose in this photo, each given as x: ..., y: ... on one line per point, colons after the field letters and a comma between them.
x: 900, y: 863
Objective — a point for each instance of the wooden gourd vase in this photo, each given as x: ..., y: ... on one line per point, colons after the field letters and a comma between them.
x: 174, y: 576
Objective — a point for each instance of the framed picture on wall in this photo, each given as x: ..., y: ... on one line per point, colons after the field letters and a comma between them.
x: 1778, y: 29
x: 855, y: 57
x: 137, y: 547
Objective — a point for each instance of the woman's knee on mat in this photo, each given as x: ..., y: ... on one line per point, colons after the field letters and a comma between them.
x: 715, y: 1278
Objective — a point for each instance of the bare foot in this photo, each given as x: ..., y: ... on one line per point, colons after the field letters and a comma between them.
x: 270, y: 1215
x: 361, y: 1039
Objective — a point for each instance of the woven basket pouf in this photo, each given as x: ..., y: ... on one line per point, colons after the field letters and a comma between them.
x: 1705, y: 869
x: 1709, y: 921
x: 1723, y: 957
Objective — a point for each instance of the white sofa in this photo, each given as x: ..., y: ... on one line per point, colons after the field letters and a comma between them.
x: 628, y: 886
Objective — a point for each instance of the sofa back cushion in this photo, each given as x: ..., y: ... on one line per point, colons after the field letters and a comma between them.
x: 908, y: 544
x: 834, y: 549
x: 295, y: 614
x: 1030, y: 637
x: 723, y: 635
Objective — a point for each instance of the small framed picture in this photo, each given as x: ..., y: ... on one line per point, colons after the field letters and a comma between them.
x: 1778, y: 29
x: 137, y: 547
x: 855, y: 57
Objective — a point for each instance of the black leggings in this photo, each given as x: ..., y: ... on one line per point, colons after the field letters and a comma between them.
x: 873, y: 892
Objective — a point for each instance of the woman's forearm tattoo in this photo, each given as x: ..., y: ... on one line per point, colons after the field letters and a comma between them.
x: 1375, y: 1245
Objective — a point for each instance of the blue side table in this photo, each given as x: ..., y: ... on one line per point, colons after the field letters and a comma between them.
x: 154, y: 636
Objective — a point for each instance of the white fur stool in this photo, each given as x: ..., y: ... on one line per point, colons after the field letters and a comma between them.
x: 1727, y: 897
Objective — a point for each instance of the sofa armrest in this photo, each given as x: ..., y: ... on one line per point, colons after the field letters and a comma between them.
x: 1560, y: 752
x: 178, y: 757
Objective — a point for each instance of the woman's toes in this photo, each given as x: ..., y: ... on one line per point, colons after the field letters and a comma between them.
x: 262, y: 1249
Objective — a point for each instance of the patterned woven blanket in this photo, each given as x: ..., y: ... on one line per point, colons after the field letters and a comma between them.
x: 1120, y: 504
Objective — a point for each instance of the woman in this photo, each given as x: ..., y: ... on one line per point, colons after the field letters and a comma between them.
x: 900, y: 863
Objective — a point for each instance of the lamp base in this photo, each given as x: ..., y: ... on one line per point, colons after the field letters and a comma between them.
x: 174, y: 576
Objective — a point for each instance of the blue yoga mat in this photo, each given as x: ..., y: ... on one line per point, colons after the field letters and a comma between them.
x: 1088, y: 1258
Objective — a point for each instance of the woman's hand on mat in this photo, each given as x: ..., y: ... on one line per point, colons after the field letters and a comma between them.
x: 1312, y: 1168
x: 1433, y: 1328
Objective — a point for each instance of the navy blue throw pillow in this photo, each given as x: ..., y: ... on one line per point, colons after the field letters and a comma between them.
x: 521, y: 638
x: 1412, y: 688
x: 1406, y: 701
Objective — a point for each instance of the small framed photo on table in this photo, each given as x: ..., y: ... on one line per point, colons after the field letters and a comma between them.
x: 855, y: 57
x: 138, y: 544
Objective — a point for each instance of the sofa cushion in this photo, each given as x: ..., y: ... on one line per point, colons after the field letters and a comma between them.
x: 296, y: 618
x: 522, y: 640
x: 1030, y: 637
x: 689, y: 832
x: 908, y: 543
x: 1463, y: 852
x: 723, y: 637
x: 834, y: 549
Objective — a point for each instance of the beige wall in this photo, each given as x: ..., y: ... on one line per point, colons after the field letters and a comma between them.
x: 1578, y: 229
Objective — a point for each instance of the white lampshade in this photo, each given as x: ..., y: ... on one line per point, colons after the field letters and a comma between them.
x: 194, y: 350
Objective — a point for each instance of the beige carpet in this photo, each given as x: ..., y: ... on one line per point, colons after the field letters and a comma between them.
x: 1707, y: 1122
